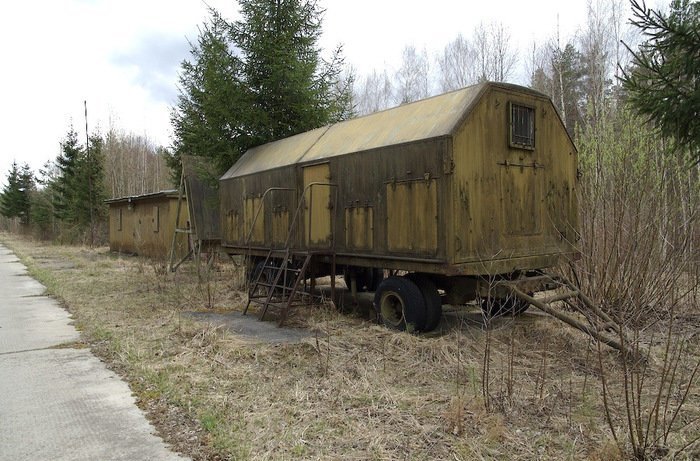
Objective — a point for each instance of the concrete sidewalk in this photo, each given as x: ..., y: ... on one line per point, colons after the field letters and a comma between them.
x: 60, y: 403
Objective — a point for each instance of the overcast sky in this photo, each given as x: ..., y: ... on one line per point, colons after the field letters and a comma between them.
x: 123, y: 56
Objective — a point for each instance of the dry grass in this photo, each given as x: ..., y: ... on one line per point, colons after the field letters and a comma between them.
x: 352, y: 390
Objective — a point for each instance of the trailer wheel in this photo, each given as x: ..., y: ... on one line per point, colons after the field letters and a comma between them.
x: 400, y: 304
x: 498, y: 307
x: 433, y: 303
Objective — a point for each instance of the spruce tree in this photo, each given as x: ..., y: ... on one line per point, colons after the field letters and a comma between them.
x: 292, y: 88
x: 664, y: 81
x: 257, y: 80
x: 67, y: 182
x: 78, y: 198
x: 15, y: 199
x: 206, y: 120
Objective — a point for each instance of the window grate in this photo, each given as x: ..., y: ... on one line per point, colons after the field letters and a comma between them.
x: 522, y: 122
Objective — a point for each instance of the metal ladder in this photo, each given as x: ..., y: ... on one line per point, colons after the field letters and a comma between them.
x: 278, y: 285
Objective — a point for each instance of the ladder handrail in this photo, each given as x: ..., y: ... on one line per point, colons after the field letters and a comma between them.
x: 301, y: 202
x: 257, y: 212
x: 255, y: 219
x: 284, y: 266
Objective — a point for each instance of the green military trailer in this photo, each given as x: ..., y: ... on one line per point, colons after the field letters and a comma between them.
x: 451, y: 195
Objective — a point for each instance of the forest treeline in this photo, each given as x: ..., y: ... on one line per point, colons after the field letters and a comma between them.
x: 64, y: 200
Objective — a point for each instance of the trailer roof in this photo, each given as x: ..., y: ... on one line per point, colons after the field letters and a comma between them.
x: 170, y: 193
x: 425, y: 119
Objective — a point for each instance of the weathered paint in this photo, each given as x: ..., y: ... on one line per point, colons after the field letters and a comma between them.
x: 412, y: 229
x: 359, y: 227
x: 145, y: 224
x: 318, y: 203
x: 433, y: 186
x: 525, y: 204
x: 254, y: 220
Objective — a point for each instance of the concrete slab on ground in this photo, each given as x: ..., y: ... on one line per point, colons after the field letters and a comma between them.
x: 250, y: 328
x: 33, y: 322
x: 64, y: 404
x: 60, y: 403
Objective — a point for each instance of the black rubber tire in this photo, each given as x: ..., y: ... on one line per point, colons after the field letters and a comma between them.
x: 500, y: 307
x: 400, y: 304
x: 433, y: 303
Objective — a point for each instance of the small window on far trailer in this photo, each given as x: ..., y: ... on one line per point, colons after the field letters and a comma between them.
x: 522, y: 126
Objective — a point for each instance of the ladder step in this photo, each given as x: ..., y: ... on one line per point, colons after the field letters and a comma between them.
x: 287, y: 268
x: 292, y: 270
x: 263, y: 301
x: 272, y: 285
x: 277, y: 289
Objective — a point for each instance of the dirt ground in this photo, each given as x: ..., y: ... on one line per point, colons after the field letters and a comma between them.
x: 337, y: 386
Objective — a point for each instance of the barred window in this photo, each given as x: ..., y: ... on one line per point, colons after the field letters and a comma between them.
x: 522, y: 126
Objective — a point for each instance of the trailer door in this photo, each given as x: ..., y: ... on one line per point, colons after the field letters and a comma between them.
x: 317, y: 208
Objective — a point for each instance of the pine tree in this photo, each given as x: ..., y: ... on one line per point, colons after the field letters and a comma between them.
x: 88, y: 206
x: 291, y: 87
x: 274, y: 85
x: 78, y: 187
x: 207, y: 118
x: 27, y: 186
x: 664, y: 82
x: 10, y: 193
x: 67, y: 181
x: 15, y: 199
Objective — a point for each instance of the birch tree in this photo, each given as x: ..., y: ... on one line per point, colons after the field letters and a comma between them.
x: 412, y: 78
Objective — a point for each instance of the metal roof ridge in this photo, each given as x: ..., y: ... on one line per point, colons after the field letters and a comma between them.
x: 162, y: 193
